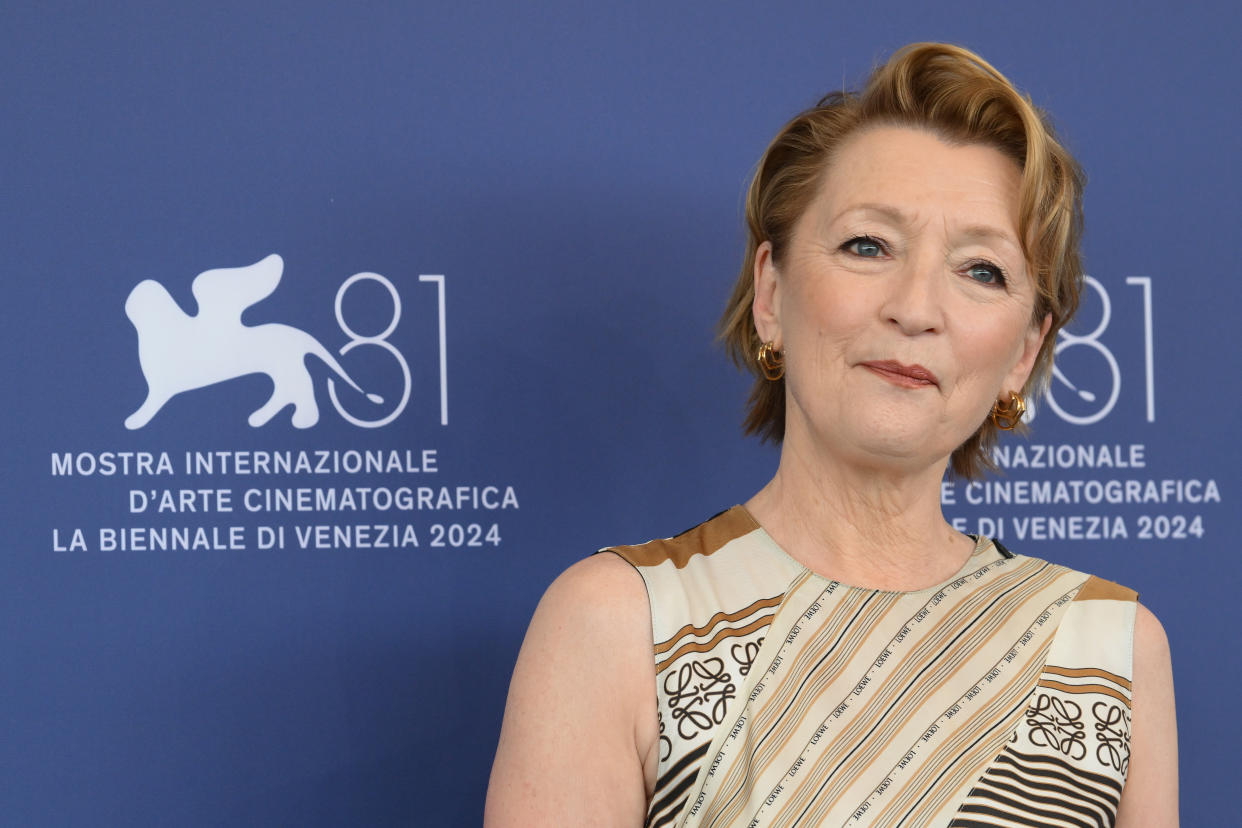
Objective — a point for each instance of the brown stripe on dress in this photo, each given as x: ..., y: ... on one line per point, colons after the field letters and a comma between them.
x: 1088, y: 672
x: 1015, y: 780
x: 1098, y: 589
x: 704, y: 539
x: 690, y: 629
x: 708, y: 646
x: 1084, y: 688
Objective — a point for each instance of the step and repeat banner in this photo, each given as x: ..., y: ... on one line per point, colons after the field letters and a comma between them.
x: 335, y: 333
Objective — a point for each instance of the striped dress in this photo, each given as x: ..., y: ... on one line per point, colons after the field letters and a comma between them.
x: 999, y: 698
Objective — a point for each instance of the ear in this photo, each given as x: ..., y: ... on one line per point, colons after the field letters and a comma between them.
x: 767, y: 304
x: 1032, y: 342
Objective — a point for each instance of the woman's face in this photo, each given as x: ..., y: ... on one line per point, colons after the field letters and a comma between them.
x: 902, y: 301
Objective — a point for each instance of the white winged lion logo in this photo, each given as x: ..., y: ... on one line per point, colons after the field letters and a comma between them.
x: 179, y: 352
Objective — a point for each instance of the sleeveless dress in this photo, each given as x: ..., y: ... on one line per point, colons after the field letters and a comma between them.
x: 999, y: 698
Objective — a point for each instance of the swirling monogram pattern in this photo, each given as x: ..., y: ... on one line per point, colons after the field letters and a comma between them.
x: 1057, y: 723
x: 697, y: 695
x: 1112, y: 731
x: 666, y: 744
x: 745, y: 654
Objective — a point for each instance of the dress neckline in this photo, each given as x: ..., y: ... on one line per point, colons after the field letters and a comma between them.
x: 984, y: 554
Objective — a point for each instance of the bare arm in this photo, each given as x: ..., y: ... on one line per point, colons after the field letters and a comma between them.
x: 1150, y: 794
x: 578, y: 742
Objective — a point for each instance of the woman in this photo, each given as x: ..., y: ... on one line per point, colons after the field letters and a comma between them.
x: 833, y: 652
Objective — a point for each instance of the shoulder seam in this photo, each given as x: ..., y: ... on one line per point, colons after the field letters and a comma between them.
x: 704, y: 539
x: 1101, y: 589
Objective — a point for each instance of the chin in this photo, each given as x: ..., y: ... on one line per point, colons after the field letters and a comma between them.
x: 891, y: 451
x: 908, y: 444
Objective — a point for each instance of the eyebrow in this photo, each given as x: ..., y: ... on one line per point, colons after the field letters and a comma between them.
x: 897, y: 216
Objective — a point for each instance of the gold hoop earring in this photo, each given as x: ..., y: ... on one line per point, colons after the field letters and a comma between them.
x: 771, y: 362
x: 1008, y: 416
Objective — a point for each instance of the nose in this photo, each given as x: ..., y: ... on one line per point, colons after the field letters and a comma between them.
x: 914, y: 301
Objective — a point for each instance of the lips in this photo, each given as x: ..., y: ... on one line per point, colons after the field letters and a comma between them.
x: 907, y: 376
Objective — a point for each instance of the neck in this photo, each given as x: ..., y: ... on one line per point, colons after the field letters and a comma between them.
x: 861, y: 525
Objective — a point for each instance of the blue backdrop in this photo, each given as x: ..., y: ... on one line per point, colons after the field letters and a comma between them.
x: 193, y: 632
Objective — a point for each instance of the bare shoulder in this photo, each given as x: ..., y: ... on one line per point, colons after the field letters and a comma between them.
x: 599, y: 580
x: 599, y: 602
x: 1150, y: 795
x: 1151, y: 642
x: 579, y: 722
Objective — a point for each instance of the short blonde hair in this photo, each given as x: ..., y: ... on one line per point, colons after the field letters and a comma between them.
x: 958, y: 96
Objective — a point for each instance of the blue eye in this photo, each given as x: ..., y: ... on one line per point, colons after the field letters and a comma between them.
x: 865, y: 246
x: 985, y: 273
